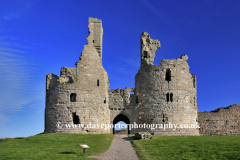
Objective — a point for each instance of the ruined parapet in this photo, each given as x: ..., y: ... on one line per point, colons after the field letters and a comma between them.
x: 51, y: 81
x: 68, y: 75
x: 148, y: 48
x: 120, y: 98
x: 222, y: 121
x: 95, y: 34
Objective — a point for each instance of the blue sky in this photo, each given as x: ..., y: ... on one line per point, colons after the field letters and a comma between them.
x: 38, y: 37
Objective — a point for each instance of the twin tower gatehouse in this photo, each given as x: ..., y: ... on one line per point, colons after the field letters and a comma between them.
x: 163, y: 95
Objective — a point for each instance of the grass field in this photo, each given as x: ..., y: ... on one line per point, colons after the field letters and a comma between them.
x: 66, y: 146
x: 54, y: 146
x: 188, y: 147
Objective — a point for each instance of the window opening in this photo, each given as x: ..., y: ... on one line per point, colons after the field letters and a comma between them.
x: 194, y: 82
x: 97, y: 82
x: 73, y: 97
x: 75, y: 118
x: 168, y: 75
x: 104, y: 100
x: 194, y: 100
x: 145, y: 54
x: 171, y: 97
x: 167, y: 97
x: 130, y: 97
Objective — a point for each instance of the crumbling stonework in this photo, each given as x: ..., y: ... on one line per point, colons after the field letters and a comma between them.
x: 163, y: 94
x: 222, y: 121
x: 80, y: 95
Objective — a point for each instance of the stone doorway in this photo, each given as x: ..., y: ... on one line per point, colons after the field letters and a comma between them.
x: 121, y: 117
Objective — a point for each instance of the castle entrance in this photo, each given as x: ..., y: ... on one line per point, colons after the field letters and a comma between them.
x: 121, y: 117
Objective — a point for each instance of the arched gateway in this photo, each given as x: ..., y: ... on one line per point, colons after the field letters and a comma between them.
x: 162, y: 94
x: 121, y: 117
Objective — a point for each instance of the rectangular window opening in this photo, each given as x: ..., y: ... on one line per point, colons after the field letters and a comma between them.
x: 168, y: 75
x: 73, y: 97
x: 167, y: 97
x: 97, y: 82
x: 145, y: 54
x: 171, y: 97
x: 75, y: 118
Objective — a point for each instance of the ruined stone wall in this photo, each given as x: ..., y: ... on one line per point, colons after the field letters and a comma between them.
x: 97, y: 33
x: 222, y: 121
x: 79, y: 95
x: 164, y: 93
x: 121, y: 103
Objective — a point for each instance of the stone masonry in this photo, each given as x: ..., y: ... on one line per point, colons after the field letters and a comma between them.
x: 80, y: 95
x: 164, y: 94
x: 222, y: 121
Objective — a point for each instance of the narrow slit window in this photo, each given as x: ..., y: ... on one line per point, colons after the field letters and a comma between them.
x: 167, y: 97
x: 168, y: 75
x: 137, y: 99
x: 194, y: 83
x: 171, y: 97
x: 98, y: 82
x: 93, y: 41
x: 194, y: 101
x: 73, y: 97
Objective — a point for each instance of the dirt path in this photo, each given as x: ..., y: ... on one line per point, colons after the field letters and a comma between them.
x: 120, y: 149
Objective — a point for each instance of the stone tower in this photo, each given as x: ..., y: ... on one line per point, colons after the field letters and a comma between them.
x: 80, y: 94
x: 164, y: 94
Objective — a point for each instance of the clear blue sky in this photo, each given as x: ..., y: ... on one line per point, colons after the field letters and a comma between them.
x: 38, y: 37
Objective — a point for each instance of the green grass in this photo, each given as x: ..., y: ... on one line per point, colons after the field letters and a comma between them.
x: 188, y: 147
x: 54, y: 146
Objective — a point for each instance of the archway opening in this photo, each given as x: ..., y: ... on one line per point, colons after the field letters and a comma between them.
x: 120, y: 125
x: 122, y: 119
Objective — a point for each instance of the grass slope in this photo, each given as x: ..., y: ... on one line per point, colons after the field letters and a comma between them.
x: 54, y: 146
x: 188, y: 147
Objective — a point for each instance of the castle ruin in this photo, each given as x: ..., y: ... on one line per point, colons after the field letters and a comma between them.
x: 163, y: 94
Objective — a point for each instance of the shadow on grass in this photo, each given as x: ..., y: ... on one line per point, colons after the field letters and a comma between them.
x: 19, y: 137
x: 133, y: 137
x: 68, y: 152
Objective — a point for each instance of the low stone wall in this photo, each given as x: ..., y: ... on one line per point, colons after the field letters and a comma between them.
x: 222, y: 121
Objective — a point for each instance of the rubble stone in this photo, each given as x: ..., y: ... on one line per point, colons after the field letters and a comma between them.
x: 143, y: 135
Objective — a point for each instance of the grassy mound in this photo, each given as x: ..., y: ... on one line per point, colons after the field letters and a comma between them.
x: 188, y: 147
x: 54, y: 146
